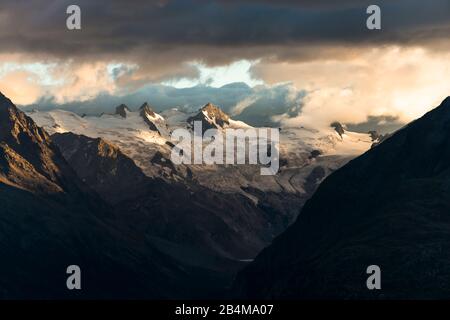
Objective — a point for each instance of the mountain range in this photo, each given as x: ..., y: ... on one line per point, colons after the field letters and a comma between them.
x: 101, y: 192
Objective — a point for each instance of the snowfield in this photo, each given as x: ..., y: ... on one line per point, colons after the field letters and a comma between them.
x: 307, y: 155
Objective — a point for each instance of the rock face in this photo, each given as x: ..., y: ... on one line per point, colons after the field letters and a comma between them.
x: 101, y: 165
x: 27, y: 159
x: 389, y: 207
x: 154, y: 121
x: 381, y: 138
x: 122, y: 110
x: 147, y: 109
x: 338, y: 127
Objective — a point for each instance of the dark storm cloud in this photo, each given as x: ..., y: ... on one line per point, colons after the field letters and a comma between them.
x: 383, y: 124
x: 211, y: 30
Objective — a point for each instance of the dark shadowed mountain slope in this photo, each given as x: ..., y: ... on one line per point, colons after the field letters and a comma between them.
x: 194, y: 218
x: 194, y: 225
x: 49, y: 220
x: 102, y: 166
x: 389, y: 207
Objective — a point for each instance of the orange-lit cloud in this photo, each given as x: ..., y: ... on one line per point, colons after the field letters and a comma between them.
x: 403, y: 82
x: 21, y: 86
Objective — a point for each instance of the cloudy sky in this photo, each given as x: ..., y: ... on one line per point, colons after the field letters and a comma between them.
x: 298, y: 62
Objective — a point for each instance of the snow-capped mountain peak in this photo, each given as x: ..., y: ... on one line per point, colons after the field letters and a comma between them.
x: 154, y: 121
x: 338, y: 127
x: 215, y: 115
x: 122, y: 110
x: 212, y: 117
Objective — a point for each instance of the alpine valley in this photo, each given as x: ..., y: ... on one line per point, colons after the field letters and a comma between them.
x: 101, y: 192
